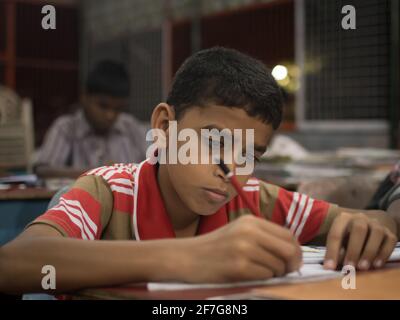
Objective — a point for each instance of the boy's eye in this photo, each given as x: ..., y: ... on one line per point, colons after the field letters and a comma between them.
x: 251, y: 157
x: 215, y: 143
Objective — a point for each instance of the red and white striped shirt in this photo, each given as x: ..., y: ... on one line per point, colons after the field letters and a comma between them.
x: 124, y: 202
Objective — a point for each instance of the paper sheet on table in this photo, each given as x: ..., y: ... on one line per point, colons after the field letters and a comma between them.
x: 312, y: 270
x: 309, y: 273
x: 312, y: 254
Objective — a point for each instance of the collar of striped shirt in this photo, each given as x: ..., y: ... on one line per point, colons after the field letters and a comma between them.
x: 150, y: 218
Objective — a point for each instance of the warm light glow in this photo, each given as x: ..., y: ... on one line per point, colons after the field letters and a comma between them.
x: 279, y: 72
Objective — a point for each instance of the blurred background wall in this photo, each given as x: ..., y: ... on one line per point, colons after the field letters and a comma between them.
x: 342, y: 85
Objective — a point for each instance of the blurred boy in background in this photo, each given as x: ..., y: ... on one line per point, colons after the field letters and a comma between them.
x: 99, y: 132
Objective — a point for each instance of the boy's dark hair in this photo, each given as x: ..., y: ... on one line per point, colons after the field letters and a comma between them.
x: 109, y: 78
x: 229, y: 78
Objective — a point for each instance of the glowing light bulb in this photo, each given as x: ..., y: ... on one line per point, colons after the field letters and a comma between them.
x: 279, y: 72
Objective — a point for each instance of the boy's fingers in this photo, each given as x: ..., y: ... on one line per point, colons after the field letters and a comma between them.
x: 285, y: 250
x: 386, y: 250
x: 269, y: 261
x: 342, y: 254
x: 334, y: 240
x: 358, y: 235
x: 371, y: 249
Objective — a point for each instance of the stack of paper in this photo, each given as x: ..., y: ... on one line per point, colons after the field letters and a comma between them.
x: 313, y: 254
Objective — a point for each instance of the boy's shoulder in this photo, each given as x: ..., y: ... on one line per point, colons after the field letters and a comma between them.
x: 99, y: 205
x: 115, y: 171
x: 260, y: 192
x: 119, y: 181
x: 263, y: 188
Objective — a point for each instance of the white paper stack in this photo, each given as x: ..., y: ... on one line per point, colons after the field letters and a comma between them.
x: 313, y: 254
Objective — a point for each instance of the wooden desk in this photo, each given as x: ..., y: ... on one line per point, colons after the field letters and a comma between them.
x: 376, y: 284
x: 372, y: 285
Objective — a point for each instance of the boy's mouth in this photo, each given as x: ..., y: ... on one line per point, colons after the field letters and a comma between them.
x: 216, y: 195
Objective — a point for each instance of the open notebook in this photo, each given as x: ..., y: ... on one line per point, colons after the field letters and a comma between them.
x: 312, y: 270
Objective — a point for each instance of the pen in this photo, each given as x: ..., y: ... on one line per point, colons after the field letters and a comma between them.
x: 233, y: 180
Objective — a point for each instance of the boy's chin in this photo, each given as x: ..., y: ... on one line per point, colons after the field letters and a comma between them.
x: 206, y: 211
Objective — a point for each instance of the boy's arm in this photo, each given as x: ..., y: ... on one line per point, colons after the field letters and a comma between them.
x: 79, y: 263
x: 246, y: 249
x: 362, y: 238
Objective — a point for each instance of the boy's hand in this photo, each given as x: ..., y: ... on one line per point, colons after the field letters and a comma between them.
x: 249, y: 248
x: 358, y: 240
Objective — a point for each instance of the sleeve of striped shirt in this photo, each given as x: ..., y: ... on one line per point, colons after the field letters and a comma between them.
x: 306, y: 217
x: 57, y: 145
x: 82, y: 212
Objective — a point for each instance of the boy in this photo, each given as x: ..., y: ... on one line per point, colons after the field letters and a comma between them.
x: 178, y: 214
x: 99, y: 132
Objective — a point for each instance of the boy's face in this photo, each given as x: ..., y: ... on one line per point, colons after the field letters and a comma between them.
x: 203, y: 188
x: 102, y: 111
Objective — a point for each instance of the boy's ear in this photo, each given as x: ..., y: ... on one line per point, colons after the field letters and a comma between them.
x: 161, y: 116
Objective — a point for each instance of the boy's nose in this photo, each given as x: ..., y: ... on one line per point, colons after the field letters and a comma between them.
x: 220, y: 173
x: 231, y: 167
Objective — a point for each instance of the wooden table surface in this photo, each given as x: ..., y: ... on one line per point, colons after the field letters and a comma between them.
x: 372, y: 285
x: 375, y: 284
